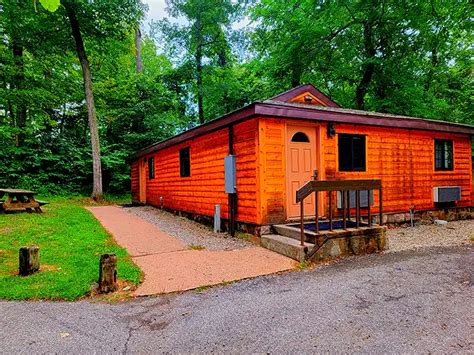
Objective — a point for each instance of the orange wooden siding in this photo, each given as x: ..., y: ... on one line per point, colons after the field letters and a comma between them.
x: 403, y: 159
x: 202, y: 190
x: 134, y: 181
x: 245, y: 149
x: 272, y: 171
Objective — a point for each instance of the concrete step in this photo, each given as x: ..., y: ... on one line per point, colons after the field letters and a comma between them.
x: 336, y: 243
x: 287, y: 231
x: 295, y: 233
x: 286, y: 246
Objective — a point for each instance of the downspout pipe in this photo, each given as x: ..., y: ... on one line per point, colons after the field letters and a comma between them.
x: 232, y: 207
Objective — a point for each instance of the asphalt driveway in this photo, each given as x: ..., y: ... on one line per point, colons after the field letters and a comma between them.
x: 413, y: 301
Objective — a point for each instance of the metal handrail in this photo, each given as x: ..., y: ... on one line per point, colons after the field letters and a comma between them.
x: 344, y: 186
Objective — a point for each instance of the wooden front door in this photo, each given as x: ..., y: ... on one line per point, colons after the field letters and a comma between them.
x: 142, y: 180
x: 300, y: 165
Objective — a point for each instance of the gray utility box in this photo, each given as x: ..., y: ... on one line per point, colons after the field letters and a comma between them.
x: 352, y: 198
x: 230, y: 174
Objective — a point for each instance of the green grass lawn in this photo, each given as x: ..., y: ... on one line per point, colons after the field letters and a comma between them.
x: 71, y: 241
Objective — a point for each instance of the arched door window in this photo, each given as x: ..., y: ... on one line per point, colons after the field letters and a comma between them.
x: 300, y: 137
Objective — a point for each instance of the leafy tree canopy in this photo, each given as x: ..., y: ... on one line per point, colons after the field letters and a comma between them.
x: 406, y: 57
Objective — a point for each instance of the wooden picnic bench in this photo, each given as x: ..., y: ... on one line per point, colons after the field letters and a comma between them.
x: 19, y: 200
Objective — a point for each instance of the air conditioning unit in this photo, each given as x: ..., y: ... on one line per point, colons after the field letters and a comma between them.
x: 447, y: 193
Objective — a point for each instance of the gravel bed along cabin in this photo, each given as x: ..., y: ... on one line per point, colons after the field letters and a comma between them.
x: 430, y: 235
x: 192, y: 233
x: 399, y: 238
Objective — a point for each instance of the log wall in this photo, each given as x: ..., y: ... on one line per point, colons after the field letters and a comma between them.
x: 204, y: 188
x: 403, y: 159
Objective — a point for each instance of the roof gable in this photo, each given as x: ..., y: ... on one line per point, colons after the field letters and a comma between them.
x: 305, y: 94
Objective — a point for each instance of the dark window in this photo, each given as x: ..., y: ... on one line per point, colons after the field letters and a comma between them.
x: 443, y: 154
x: 151, y: 168
x: 300, y: 137
x: 351, y: 152
x: 184, y: 162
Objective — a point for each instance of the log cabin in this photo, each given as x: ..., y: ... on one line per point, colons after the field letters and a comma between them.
x: 276, y: 145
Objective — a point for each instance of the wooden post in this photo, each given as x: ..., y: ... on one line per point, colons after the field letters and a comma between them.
x: 380, y: 207
x: 357, y: 208
x: 369, y: 216
x: 316, y: 214
x: 348, y: 205
x: 108, y: 273
x: 344, y: 223
x: 29, y: 260
x: 302, y: 222
x: 316, y: 206
x: 330, y: 210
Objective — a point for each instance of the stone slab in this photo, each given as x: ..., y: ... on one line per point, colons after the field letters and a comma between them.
x: 286, y: 246
x: 186, y: 270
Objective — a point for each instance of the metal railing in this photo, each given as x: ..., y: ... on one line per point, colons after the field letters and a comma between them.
x: 345, y: 187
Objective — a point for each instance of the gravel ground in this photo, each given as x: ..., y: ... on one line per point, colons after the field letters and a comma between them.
x: 430, y: 235
x: 190, y: 232
x: 406, y: 302
x: 400, y: 238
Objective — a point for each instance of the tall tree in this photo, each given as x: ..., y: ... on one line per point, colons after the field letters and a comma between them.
x: 386, y: 55
x: 97, y: 190
x: 124, y: 16
x: 14, y: 30
x: 204, y: 37
x: 138, y: 50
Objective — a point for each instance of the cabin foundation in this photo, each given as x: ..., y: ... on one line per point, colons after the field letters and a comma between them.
x: 326, y: 245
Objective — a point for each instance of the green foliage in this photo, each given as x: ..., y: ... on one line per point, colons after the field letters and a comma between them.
x: 202, y: 49
x: 400, y: 57
x: 304, y: 264
x: 50, y: 5
x: 71, y: 241
x: 406, y: 57
x: 49, y: 151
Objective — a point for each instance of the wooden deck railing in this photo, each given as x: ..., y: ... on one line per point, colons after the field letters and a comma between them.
x: 344, y: 186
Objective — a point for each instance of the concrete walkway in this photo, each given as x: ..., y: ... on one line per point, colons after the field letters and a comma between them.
x: 169, y: 265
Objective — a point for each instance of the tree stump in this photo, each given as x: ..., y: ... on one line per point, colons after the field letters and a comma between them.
x: 29, y: 260
x: 108, y: 273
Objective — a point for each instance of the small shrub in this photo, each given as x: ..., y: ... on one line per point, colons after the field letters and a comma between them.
x: 197, y: 247
x: 303, y: 264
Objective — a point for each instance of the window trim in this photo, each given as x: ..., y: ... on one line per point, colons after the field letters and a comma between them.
x: 364, y: 155
x: 443, y: 156
x: 183, y: 172
x: 151, y: 168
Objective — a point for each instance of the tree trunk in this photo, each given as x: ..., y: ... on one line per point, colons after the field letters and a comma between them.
x: 296, y: 72
x: 19, y: 79
x: 222, y: 61
x: 369, y: 68
x: 91, y: 113
x: 199, y: 83
x: 138, y: 50
x: 432, y: 68
x: 198, y: 57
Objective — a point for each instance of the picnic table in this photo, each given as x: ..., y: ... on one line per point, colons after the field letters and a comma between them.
x: 18, y: 200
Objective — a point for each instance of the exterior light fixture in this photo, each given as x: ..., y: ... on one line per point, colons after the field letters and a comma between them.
x: 331, y: 130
